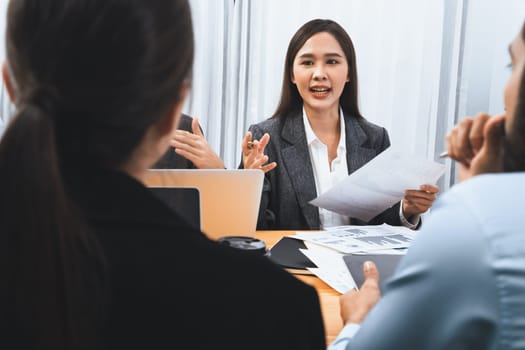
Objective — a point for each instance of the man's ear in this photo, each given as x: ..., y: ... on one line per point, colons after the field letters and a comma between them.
x: 8, y: 81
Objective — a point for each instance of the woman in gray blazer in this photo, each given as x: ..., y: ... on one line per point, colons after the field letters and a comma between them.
x: 317, y: 136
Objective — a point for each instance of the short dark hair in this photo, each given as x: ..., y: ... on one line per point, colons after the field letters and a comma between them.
x: 90, y: 77
x: 290, y: 98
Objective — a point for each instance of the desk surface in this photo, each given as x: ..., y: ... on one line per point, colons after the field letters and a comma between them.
x: 328, y: 297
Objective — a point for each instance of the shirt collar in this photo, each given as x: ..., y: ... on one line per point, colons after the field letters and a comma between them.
x: 311, y: 137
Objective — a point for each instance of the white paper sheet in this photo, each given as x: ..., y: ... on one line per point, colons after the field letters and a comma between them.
x: 352, y: 239
x: 379, y: 184
x: 331, y: 267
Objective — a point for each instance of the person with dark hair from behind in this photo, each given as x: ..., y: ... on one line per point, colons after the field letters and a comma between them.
x: 189, y: 149
x: 317, y: 137
x: 462, y: 283
x: 90, y: 258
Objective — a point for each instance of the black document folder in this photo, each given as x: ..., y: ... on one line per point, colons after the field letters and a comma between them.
x: 286, y: 254
x: 386, y: 265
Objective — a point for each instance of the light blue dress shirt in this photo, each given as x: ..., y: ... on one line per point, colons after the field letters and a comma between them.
x: 462, y: 283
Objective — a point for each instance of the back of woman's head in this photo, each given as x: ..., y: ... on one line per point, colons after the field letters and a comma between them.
x: 89, y: 78
x: 106, y: 69
x: 514, y: 146
x: 290, y: 98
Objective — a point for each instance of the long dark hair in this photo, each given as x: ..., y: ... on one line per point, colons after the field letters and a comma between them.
x: 291, y: 100
x: 514, y: 145
x: 89, y: 77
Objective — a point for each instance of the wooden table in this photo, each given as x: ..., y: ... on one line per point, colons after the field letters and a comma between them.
x: 328, y: 297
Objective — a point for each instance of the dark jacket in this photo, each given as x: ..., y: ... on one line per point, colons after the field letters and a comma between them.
x: 170, y: 159
x: 289, y: 187
x: 171, y: 287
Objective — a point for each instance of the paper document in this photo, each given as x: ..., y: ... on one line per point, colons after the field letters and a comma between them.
x: 352, y: 239
x: 379, y: 184
x: 331, y: 267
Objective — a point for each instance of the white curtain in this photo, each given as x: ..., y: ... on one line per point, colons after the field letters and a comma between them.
x: 212, y: 20
x: 422, y: 65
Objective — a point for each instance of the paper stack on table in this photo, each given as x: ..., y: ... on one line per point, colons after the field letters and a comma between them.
x: 353, y: 239
x: 327, y: 249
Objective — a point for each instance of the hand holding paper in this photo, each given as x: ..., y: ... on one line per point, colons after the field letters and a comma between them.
x: 379, y: 184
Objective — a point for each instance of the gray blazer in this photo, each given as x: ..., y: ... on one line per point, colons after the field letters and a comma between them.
x: 289, y: 187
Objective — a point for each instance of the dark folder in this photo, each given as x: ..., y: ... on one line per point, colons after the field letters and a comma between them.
x: 386, y: 265
x: 286, y: 253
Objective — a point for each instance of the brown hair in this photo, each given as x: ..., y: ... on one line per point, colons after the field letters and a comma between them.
x: 290, y: 98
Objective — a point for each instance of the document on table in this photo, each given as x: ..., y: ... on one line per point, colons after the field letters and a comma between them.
x: 353, y: 239
x: 379, y: 184
x: 331, y: 267
x: 326, y: 249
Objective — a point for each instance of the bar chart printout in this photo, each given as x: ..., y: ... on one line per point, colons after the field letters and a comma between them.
x: 355, y: 239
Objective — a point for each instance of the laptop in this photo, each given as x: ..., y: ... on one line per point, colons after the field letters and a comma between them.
x: 229, y: 199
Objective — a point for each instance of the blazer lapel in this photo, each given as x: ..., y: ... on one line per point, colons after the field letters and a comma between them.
x: 297, y: 162
x: 357, y: 152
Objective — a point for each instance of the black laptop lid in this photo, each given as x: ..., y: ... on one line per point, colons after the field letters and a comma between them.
x: 185, y: 201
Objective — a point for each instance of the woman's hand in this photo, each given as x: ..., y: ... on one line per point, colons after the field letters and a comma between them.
x: 477, y: 144
x: 253, y: 156
x: 416, y: 202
